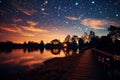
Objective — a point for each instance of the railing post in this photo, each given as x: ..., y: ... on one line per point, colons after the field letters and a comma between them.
x: 112, y: 65
x: 104, y: 62
x: 101, y: 57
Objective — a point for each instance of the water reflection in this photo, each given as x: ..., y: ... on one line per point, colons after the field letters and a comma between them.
x: 29, y: 50
x: 69, y: 52
x: 5, y: 50
x: 55, y: 51
x: 41, y: 50
x: 18, y: 60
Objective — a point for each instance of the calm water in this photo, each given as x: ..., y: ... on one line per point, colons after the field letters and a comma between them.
x: 18, y: 60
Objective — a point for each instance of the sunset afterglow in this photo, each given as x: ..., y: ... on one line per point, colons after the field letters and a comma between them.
x: 36, y: 20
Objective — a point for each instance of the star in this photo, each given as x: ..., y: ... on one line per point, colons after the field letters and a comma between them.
x: 80, y: 17
x: 66, y: 22
x: 59, y: 8
x: 70, y: 7
x: 76, y: 3
x: 101, y: 12
x: 107, y: 17
x: 117, y: 15
x: 42, y: 9
x: 93, y: 2
x: 55, y: 7
x: 65, y: 7
x: 86, y: 29
x: 58, y: 15
x: 46, y: 2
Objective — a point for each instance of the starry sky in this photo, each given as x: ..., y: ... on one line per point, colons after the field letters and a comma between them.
x: 36, y: 20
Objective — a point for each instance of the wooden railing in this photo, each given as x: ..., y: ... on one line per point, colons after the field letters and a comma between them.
x: 111, y: 55
x: 109, y: 60
x: 103, y: 52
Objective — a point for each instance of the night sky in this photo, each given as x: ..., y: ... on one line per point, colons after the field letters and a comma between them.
x: 35, y: 20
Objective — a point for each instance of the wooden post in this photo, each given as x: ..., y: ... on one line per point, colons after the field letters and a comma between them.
x: 112, y: 66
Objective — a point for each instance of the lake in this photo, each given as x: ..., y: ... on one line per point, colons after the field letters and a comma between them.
x: 19, y: 60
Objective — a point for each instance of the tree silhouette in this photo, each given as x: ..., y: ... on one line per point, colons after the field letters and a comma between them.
x: 91, y: 35
x: 55, y: 42
x: 114, y: 32
x: 81, y: 42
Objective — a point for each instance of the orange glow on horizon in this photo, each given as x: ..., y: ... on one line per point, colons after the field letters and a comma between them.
x: 21, y: 39
x: 21, y: 34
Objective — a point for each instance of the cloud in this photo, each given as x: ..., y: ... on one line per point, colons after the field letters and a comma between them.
x: 28, y: 31
x: 45, y: 13
x: 26, y: 11
x: 17, y: 20
x: 8, y: 29
x: 72, y: 18
x: 11, y: 29
x: 27, y: 34
x: 97, y: 23
x: 32, y: 27
x: 15, y: 29
x: 32, y: 23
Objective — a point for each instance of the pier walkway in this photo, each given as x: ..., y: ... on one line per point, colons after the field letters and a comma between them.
x: 86, y: 68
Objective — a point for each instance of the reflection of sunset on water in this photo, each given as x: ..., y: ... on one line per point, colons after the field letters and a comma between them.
x: 29, y: 59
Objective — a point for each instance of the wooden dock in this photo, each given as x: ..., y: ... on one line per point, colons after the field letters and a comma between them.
x: 86, y: 68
